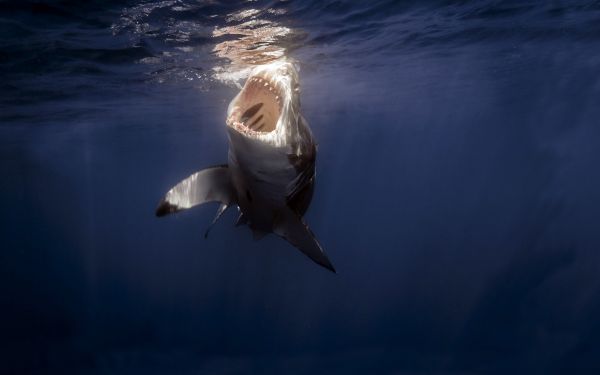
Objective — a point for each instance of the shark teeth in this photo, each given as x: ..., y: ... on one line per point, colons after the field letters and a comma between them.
x: 267, y: 83
x: 259, y: 82
x: 244, y: 129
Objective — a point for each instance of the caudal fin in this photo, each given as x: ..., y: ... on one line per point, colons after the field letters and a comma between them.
x: 292, y: 228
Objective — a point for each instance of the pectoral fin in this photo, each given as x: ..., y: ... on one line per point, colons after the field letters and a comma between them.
x: 292, y: 228
x: 208, y: 185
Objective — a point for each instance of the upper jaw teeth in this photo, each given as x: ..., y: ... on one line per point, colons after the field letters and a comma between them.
x: 269, y: 84
x: 265, y: 82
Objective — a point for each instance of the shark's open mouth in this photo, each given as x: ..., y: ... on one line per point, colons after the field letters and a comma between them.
x: 258, y: 106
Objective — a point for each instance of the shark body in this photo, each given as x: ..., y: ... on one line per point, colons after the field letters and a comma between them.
x: 271, y: 163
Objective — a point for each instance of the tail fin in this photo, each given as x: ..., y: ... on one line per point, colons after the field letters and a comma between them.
x: 291, y: 227
x: 208, y: 185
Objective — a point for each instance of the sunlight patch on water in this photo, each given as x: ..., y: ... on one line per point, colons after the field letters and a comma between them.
x: 256, y: 44
x: 221, y: 47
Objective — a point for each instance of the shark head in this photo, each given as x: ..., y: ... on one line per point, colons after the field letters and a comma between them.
x: 268, y: 106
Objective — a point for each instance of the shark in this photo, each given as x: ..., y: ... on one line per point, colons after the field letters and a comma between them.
x: 270, y: 171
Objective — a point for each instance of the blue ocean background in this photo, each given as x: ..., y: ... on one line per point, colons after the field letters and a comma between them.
x: 457, y: 192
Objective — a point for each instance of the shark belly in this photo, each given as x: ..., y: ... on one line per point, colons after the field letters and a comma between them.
x: 263, y: 179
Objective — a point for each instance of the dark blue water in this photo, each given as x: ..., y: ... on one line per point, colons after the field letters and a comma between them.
x: 458, y: 189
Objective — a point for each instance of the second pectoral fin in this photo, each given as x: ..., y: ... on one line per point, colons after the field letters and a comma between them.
x: 292, y: 228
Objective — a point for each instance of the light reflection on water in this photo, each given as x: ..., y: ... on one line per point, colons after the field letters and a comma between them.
x: 256, y: 44
x: 219, y: 47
